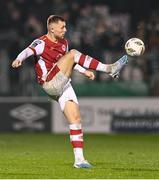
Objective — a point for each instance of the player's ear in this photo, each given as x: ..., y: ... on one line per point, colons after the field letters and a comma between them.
x: 52, y: 29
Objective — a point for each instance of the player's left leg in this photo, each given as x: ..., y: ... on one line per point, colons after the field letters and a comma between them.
x: 67, y: 62
x: 69, y: 105
x: 92, y: 63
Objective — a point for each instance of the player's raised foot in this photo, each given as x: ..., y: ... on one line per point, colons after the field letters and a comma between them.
x: 83, y: 164
x: 117, y: 66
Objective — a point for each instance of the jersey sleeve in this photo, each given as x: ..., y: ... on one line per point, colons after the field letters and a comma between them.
x: 79, y: 68
x: 37, y: 46
x: 25, y: 54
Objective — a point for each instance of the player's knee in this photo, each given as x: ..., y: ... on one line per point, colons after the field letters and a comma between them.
x: 76, y: 118
x: 72, y: 52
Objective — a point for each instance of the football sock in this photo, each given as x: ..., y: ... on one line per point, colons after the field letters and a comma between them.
x: 76, y: 138
x: 91, y: 63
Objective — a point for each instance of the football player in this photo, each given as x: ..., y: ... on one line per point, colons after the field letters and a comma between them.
x: 54, y: 64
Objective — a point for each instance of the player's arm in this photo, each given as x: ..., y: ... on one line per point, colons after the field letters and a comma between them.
x: 21, y: 57
x: 89, y: 74
x: 35, y: 48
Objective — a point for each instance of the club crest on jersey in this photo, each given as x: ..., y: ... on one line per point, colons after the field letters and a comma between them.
x: 63, y: 47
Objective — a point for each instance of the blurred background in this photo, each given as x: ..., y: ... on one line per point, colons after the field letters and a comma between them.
x: 99, y: 28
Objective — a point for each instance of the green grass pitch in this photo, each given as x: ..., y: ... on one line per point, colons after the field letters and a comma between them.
x: 48, y: 156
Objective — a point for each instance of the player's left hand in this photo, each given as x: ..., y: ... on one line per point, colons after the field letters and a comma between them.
x: 89, y: 74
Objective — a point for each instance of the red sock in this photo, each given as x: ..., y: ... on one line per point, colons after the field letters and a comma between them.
x: 76, y: 138
x: 89, y: 62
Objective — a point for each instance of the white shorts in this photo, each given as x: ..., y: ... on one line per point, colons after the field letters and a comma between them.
x: 60, y: 89
x: 67, y: 95
x: 55, y: 86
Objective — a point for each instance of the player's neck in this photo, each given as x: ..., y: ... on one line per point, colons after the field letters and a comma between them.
x: 51, y: 38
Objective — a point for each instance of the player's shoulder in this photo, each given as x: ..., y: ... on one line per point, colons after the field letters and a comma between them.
x: 43, y: 37
x: 37, y: 42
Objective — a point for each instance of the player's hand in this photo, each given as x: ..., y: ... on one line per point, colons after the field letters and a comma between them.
x: 16, y: 63
x: 89, y: 74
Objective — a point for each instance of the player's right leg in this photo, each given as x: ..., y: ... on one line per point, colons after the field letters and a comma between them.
x: 69, y: 106
x: 72, y: 114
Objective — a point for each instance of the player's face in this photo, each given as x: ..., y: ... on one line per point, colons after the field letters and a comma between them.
x: 59, y: 29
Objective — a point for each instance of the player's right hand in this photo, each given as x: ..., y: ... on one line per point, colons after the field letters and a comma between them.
x: 16, y: 63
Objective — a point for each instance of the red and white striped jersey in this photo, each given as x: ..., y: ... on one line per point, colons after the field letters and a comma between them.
x: 46, y: 54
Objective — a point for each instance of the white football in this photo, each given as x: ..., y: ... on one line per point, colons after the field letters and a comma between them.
x: 135, y: 47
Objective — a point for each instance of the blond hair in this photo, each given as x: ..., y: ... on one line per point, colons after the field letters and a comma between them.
x: 54, y: 19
